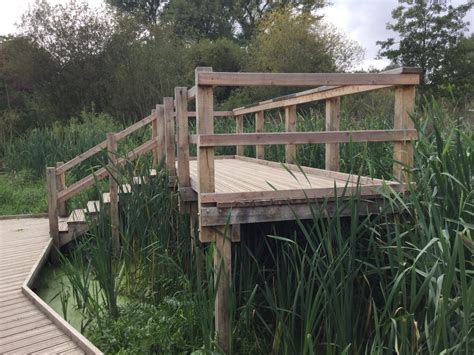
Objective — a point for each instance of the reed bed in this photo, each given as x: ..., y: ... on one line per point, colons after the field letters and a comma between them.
x: 401, y: 281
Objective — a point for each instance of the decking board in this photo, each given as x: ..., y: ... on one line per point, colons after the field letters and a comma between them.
x: 24, y: 327
x: 236, y: 175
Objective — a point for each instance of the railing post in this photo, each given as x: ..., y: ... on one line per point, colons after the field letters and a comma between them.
x: 222, y: 249
x: 160, y: 122
x: 113, y: 189
x: 53, y: 211
x: 181, y: 102
x: 154, y: 136
x: 290, y: 126
x: 170, y: 135
x: 403, y: 151
x: 260, y: 127
x: 239, y: 128
x: 61, y: 185
x: 332, y: 124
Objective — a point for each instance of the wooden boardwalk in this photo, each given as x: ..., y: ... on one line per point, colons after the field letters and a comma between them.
x: 27, y: 324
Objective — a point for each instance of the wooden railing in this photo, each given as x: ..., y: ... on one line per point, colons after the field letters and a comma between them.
x: 59, y: 193
x: 171, y: 139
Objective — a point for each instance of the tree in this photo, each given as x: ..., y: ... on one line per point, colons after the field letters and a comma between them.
x: 289, y: 42
x: 248, y: 13
x: 457, y: 78
x: 200, y: 19
x: 428, y: 31
x: 148, y: 10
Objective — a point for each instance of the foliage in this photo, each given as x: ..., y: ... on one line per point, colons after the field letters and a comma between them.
x: 300, y: 43
x: 20, y: 194
x: 146, y: 10
x: 147, y: 329
x: 199, y: 19
x: 71, y: 32
x: 429, y: 31
x: 386, y: 283
x: 457, y: 80
x: 43, y: 147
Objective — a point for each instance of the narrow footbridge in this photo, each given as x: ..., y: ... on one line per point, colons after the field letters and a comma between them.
x: 27, y: 324
x: 219, y: 193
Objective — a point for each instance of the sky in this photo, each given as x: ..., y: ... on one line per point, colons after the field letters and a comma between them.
x: 361, y: 20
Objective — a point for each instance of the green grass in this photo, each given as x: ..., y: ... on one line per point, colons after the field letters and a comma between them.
x: 20, y: 194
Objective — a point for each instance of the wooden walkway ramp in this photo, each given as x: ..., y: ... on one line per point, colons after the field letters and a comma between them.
x: 27, y: 324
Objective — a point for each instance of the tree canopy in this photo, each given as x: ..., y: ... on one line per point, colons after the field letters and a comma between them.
x: 428, y: 31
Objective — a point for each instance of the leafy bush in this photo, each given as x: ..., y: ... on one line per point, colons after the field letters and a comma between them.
x: 165, y: 328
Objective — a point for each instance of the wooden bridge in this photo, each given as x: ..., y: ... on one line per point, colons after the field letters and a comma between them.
x: 232, y: 190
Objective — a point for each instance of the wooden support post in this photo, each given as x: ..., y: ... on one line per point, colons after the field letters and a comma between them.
x: 61, y: 185
x: 290, y: 126
x: 53, y: 212
x: 332, y: 124
x: 222, y: 272
x: 113, y: 189
x: 160, y: 122
x: 168, y: 104
x: 403, y: 151
x: 184, y: 180
x: 181, y: 99
x: 154, y: 135
x: 205, y: 155
x: 239, y: 128
x: 260, y: 127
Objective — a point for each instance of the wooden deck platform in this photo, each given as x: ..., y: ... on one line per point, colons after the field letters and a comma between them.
x: 27, y: 324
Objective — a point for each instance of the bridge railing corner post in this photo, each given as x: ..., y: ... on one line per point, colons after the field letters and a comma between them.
x: 53, y: 213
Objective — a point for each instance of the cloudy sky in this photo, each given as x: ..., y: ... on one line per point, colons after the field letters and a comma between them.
x: 362, y: 20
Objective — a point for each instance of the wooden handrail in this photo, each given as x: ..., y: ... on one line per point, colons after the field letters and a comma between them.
x: 100, y: 174
x: 216, y: 114
x: 319, y: 93
x: 102, y: 145
x: 204, y: 78
x: 219, y: 140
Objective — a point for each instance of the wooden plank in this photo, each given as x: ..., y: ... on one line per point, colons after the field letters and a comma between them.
x: 205, y: 157
x: 299, y: 194
x: 61, y: 185
x: 66, y: 328
x: 218, y: 140
x: 81, y: 157
x: 154, y: 136
x: 181, y: 99
x: 333, y: 107
x: 160, y: 117
x: 290, y: 126
x: 259, y: 128
x: 192, y: 93
x: 239, y: 128
x: 53, y: 213
x: 113, y: 190
x: 222, y: 275
x: 303, y: 79
x: 403, y: 151
x: 100, y: 174
x: 134, y: 127
x: 319, y: 93
x: 216, y: 114
x: 214, y: 216
x: 168, y: 104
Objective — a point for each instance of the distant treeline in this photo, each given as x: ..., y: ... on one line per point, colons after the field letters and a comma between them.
x: 124, y: 58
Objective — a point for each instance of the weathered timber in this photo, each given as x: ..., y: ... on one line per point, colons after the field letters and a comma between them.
x: 219, y: 140
x: 303, y: 79
x: 332, y: 124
